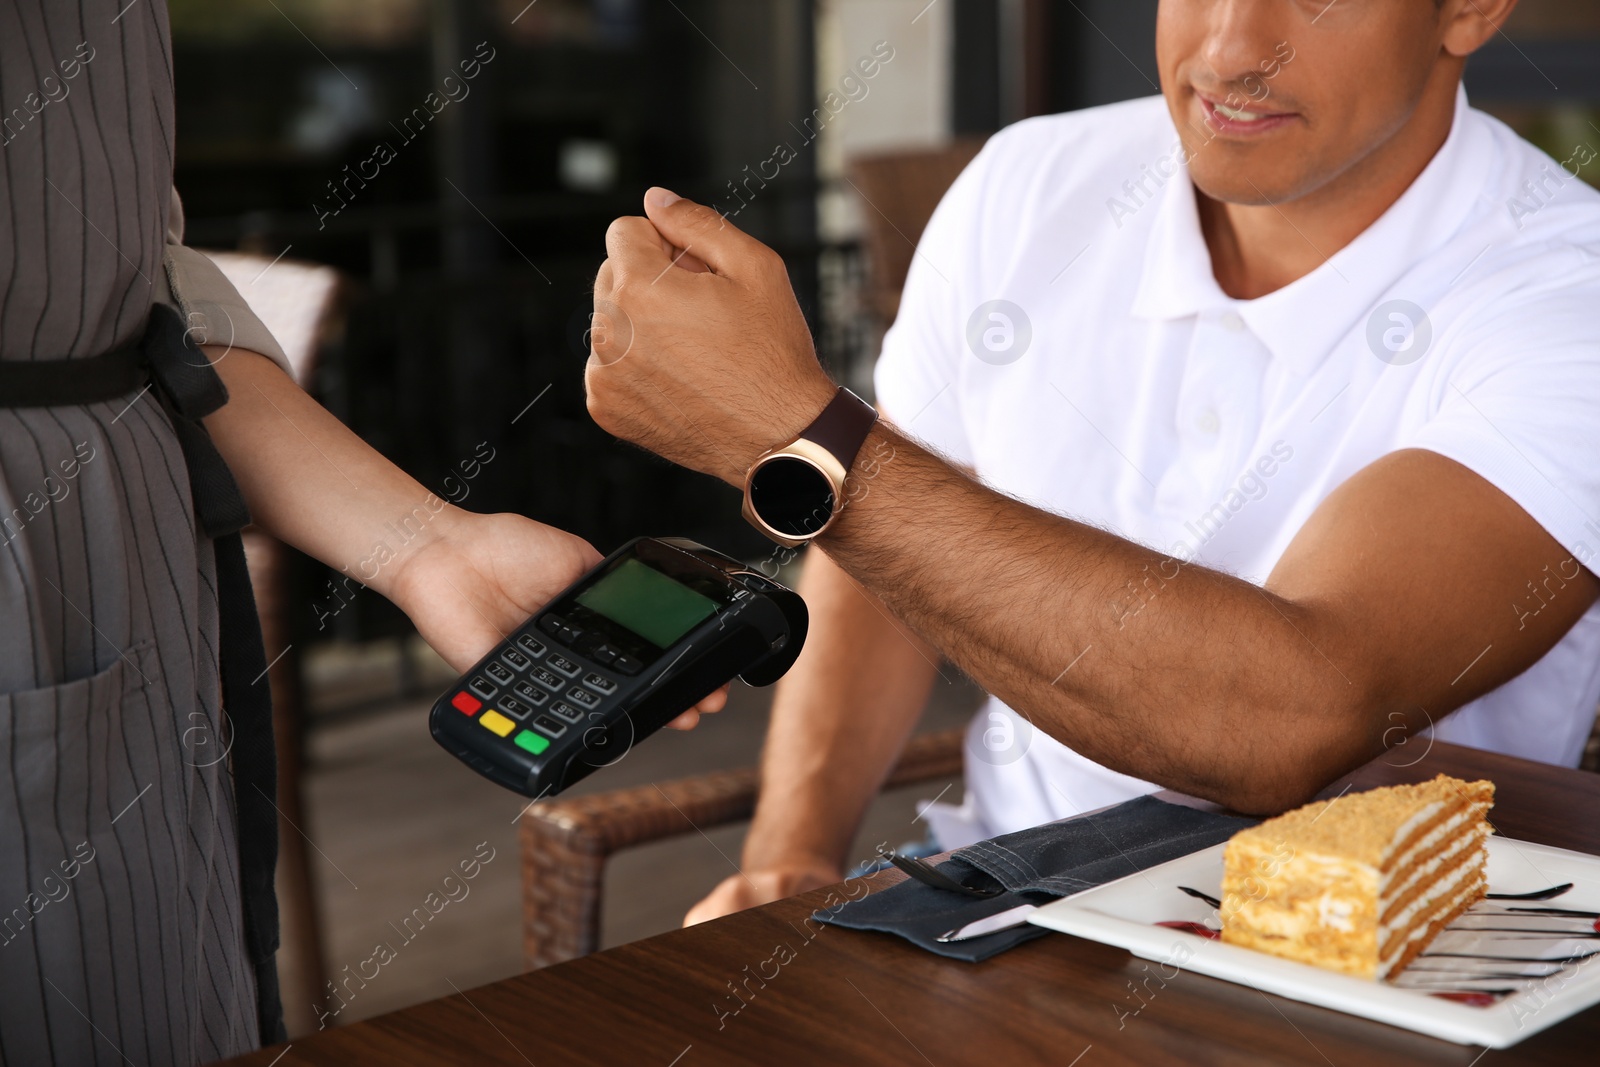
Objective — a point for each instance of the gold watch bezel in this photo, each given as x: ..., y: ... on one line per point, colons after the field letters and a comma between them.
x: 814, y: 456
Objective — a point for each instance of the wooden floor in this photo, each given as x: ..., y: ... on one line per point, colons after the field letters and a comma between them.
x: 391, y: 815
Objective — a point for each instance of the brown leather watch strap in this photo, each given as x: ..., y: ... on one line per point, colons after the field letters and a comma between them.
x: 842, y: 426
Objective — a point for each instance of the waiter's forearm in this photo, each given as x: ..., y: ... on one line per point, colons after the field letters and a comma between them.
x: 313, y: 483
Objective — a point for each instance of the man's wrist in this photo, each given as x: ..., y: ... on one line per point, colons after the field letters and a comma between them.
x: 778, y: 850
x: 797, y: 410
x: 797, y: 874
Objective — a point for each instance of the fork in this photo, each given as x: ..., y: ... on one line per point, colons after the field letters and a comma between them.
x: 928, y: 874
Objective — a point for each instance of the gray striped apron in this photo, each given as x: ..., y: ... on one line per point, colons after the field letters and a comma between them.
x: 188, y: 389
x: 123, y: 937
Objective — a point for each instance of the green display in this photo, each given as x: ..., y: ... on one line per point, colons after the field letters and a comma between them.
x: 655, y: 607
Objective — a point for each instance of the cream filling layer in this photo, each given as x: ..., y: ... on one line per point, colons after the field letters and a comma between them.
x: 1389, y: 958
x: 1433, y: 893
x: 1427, y: 812
x: 1393, y: 892
x: 1428, y: 840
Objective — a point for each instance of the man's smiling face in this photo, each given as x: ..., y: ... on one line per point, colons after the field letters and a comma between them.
x: 1274, y: 99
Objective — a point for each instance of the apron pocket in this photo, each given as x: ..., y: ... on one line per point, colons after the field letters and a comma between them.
x: 71, y: 756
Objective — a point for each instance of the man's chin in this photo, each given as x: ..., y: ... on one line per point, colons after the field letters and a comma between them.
x: 1244, y: 186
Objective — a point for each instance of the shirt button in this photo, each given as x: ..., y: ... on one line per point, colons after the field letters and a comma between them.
x: 1232, y: 322
x: 1207, y: 421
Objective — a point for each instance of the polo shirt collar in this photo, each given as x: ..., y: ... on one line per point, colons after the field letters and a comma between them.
x: 1300, y: 323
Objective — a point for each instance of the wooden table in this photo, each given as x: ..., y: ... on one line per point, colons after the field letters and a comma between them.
x: 847, y: 997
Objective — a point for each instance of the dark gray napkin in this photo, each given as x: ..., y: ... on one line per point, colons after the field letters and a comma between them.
x: 1036, y: 866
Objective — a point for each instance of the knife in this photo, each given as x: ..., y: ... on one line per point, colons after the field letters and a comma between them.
x: 1004, y: 920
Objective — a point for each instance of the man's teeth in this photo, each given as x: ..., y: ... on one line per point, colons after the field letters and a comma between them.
x: 1236, y: 115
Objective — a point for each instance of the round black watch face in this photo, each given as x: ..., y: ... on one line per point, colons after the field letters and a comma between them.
x: 791, y: 496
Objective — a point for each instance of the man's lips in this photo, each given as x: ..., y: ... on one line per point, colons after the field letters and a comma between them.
x: 1243, y: 121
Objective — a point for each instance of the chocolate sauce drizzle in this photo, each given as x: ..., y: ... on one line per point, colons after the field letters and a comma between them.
x: 1475, y: 997
x: 1207, y: 897
x: 1538, y: 894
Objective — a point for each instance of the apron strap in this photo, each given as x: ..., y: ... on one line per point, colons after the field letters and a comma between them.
x: 189, y: 389
x: 62, y: 383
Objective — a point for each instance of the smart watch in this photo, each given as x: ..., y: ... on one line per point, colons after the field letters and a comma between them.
x: 793, y: 493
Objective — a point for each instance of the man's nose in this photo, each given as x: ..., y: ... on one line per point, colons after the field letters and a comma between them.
x: 1240, y: 37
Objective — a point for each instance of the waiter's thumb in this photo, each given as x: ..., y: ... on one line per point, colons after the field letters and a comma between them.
x: 700, y: 231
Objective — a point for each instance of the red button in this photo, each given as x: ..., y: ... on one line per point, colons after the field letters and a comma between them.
x: 466, y: 703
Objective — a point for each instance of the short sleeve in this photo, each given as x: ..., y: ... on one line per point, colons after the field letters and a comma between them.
x: 916, y: 378
x: 209, y: 302
x: 1521, y: 408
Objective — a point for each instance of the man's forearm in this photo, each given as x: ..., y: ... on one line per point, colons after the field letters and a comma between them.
x: 1153, y: 667
x: 839, y: 718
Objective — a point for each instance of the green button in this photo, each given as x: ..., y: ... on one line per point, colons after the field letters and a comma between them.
x: 532, y: 742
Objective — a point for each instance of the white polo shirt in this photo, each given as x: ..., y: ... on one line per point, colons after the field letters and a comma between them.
x: 1117, y: 384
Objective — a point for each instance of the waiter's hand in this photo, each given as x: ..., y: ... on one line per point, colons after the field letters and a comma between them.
x: 466, y: 581
x: 699, y: 350
x: 484, y: 576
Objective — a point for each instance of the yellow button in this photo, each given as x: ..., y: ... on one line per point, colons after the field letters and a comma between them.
x: 497, y: 722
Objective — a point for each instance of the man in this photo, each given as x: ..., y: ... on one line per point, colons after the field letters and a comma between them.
x: 1280, y: 403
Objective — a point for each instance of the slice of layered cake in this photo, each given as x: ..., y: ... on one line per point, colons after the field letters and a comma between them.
x: 1362, y: 883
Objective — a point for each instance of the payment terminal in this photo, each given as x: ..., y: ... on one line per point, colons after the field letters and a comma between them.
x: 657, y: 626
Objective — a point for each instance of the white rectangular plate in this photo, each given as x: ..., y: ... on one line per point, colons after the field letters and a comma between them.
x: 1125, y: 913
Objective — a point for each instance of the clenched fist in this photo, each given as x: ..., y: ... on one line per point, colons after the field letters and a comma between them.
x: 698, y: 348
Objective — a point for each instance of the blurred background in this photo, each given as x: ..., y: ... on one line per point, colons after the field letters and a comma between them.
x: 415, y: 192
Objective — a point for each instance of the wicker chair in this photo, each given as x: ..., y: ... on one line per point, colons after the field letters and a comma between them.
x: 297, y: 302
x: 566, y: 843
x: 899, y: 191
